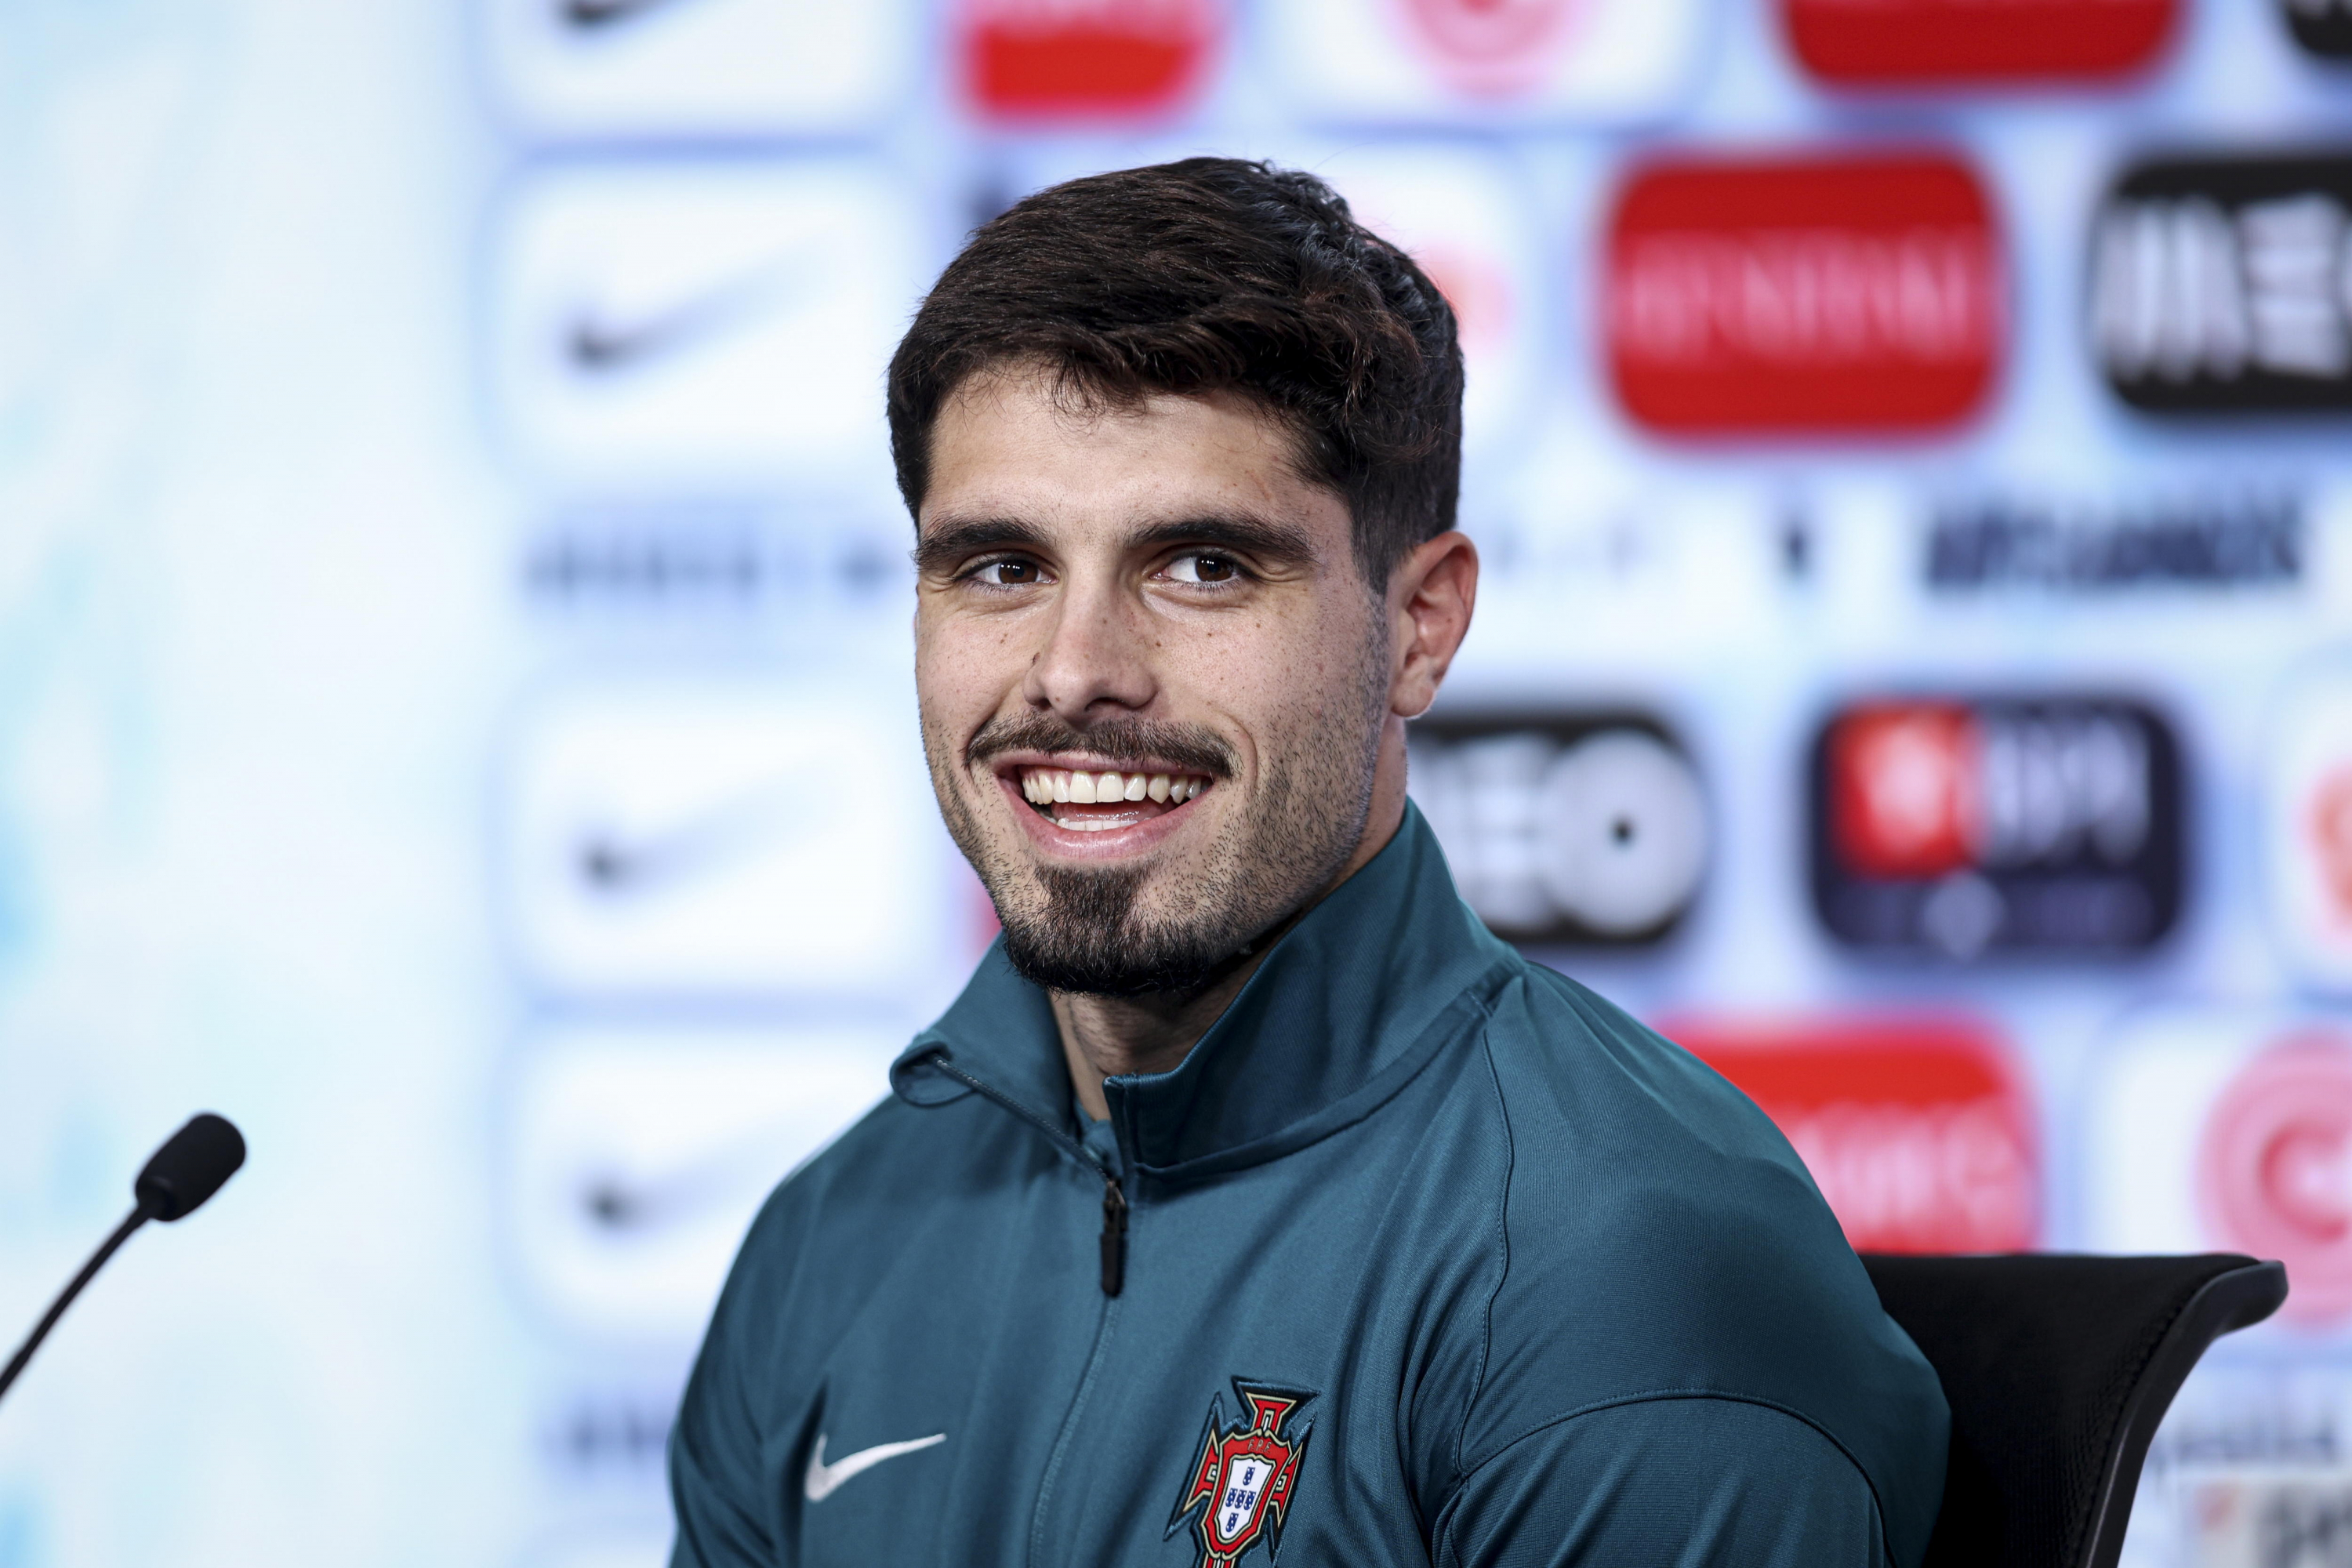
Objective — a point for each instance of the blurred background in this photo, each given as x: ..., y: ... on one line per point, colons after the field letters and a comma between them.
x: 454, y: 699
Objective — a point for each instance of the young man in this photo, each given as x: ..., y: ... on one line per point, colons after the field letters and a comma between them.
x: 1253, y: 1205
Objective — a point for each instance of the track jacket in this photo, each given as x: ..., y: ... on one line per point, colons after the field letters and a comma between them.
x: 1424, y: 1254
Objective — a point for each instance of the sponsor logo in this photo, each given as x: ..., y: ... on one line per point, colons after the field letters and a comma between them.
x: 1522, y: 60
x: 1918, y: 1132
x: 656, y: 323
x: 2254, y: 540
x: 1960, y: 828
x: 2309, y: 827
x: 2282, y: 1519
x: 1871, y: 43
x: 1027, y: 59
x: 2321, y: 27
x: 1497, y: 49
x: 2275, y: 1168
x: 2219, y: 1130
x: 1844, y: 294
x: 1463, y: 215
x: 2225, y: 284
x: 601, y: 70
x: 822, y: 1480
x: 1243, y: 1476
x: 1573, y: 828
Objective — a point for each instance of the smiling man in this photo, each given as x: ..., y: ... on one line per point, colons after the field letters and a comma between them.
x: 1252, y: 1204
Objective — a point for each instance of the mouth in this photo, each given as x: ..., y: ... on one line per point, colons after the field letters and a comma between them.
x: 1083, y: 800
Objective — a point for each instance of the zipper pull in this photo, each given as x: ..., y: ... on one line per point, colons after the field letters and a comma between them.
x: 1113, y: 1235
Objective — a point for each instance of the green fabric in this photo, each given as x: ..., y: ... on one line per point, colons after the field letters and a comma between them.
x: 1556, y: 1292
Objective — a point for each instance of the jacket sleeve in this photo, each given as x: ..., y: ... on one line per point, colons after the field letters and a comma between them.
x: 1674, y: 1482
x: 714, y: 1452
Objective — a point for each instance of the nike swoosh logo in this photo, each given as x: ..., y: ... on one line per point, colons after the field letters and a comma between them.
x: 822, y: 1479
x: 598, y: 346
x: 616, y: 864
x: 627, y: 1204
x: 590, y: 14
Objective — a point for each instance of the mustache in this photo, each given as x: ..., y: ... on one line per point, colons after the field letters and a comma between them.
x: 1121, y: 741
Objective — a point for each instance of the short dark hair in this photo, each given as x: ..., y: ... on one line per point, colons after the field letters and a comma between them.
x: 1210, y: 275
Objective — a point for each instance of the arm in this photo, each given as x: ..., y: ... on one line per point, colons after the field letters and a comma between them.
x: 1677, y: 1482
x: 714, y: 1462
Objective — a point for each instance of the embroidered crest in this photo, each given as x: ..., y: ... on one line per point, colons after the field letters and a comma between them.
x: 1244, y: 1474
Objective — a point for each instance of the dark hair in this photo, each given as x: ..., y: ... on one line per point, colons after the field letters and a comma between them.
x: 1207, y: 275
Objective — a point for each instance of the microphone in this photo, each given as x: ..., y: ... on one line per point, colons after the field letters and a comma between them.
x: 189, y: 1168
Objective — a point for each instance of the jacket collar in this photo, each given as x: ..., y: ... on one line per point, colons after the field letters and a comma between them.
x: 1344, y: 1010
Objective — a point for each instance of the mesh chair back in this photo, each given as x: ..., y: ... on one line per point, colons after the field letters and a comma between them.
x: 2058, y: 1369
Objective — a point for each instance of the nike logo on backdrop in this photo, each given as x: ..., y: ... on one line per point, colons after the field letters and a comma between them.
x: 823, y: 1478
x: 586, y: 14
x: 597, y: 345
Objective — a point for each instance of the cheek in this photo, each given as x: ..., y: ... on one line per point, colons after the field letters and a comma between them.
x: 960, y: 672
x: 1275, y: 670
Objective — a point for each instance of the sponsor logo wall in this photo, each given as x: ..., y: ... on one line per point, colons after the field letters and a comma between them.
x: 1916, y: 532
x: 1910, y: 446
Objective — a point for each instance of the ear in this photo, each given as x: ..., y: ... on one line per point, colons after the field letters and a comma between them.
x: 1431, y: 595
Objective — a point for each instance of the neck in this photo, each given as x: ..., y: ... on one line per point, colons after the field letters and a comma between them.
x: 1113, y: 1037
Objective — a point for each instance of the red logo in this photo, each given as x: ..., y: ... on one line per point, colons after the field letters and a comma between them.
x: 2274, y: 1171
x: 1491, y: 49
x: 2331, y: 840
x: 1903, y: 784
x: 1245, y: 1474
x: 1869, y: 43
x: 1858, y: 295
x: 1048, y: 60
x: 1919, y: 1132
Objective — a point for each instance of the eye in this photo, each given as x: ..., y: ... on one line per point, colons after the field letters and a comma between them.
x: 1011, y: 573
x: 1201, y: 567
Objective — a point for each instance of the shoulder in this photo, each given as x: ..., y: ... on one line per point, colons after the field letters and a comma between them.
x: 1689, y: 1480
x: 1663, y: 1239
x: 829, y: 1235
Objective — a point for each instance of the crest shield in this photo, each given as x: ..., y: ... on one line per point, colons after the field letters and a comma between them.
x: 1238, y: 1490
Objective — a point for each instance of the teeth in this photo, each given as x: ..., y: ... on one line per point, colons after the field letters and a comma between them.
x: 1048, y: 787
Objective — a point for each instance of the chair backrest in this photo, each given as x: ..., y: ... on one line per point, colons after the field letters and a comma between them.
x: 2058, y: 1369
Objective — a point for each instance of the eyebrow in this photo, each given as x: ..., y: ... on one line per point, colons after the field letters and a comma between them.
x: 959, y: 537
x: 954, y: 539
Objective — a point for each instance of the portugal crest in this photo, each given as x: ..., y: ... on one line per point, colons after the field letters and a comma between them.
x: 1245, y: 1474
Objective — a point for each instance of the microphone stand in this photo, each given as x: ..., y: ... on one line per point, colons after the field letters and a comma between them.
x: 138, y: 1216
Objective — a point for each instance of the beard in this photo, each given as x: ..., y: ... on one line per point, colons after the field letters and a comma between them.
x: 1110, y: 930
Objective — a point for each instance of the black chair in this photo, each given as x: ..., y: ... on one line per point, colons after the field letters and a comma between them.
x: 2058, y: 1369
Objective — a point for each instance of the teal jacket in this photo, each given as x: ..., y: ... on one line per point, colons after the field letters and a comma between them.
x: 1424, y: 1254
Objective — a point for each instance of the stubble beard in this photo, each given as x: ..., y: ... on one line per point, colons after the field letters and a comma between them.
x: 1090, y: 930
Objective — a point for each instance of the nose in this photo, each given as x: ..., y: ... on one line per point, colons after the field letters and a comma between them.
x: 1095, y: 661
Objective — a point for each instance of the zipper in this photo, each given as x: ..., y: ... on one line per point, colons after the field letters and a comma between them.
x: 1114, y: 1230
x: 1113, y: 1235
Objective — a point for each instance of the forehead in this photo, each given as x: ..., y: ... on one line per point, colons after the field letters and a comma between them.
x: 1005, y: 446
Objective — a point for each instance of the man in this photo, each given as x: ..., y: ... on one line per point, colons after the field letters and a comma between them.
x: 1253, y: 1204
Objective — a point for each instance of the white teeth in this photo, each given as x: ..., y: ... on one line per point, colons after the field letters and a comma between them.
x: 1082, y: 788
x: 1061, y: 787
x: 1157, y: 788
x: 1136, y: 785
x: 1029, y: 788
x: 1108, y: 786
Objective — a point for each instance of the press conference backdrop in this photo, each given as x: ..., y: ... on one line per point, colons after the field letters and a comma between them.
x: 454, y: 699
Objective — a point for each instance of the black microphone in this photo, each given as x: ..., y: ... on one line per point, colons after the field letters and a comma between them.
x: 189, y: 1168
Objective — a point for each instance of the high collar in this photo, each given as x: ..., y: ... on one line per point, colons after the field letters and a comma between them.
x: 1342, y: 1013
